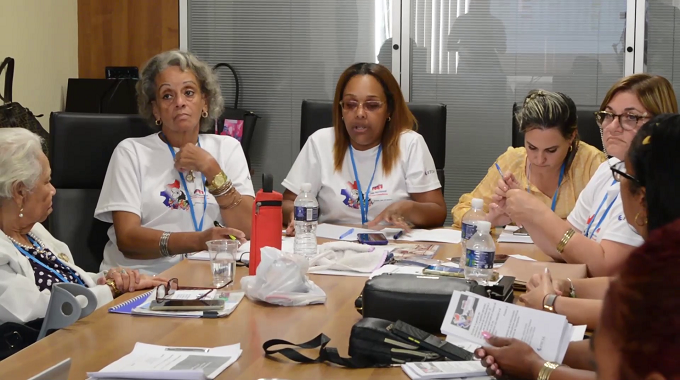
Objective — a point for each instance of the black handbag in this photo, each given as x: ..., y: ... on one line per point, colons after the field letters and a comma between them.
x: 371, y: 344
x: 421, y: 301
x: 13, y: 114
x: 14, y: 337
x: 235, y: 122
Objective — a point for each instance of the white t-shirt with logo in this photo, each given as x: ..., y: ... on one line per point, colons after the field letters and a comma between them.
x: 590, y: 214
x: 142, y: 179
x: 337, y: 192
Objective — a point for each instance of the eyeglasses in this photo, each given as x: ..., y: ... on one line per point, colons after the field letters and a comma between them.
x: 369, y: 105
x: 163, y: 291
x: 618, y: 172
x: 627, y: 121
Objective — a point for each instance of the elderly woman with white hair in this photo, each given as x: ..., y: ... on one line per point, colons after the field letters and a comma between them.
x: 31, y: 259
x: 164, y: 192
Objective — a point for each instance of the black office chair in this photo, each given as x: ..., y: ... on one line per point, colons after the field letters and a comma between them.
x: 588, y: 129
x: 318, y: 114
x: 81, y: 146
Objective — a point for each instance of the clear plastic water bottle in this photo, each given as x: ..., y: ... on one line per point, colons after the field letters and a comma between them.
x: 306, y: 219
x: 469, y: 223
x: 480, y: 253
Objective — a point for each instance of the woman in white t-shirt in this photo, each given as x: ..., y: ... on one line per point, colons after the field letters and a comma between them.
x: 164, y: 192
x: 604, y: 239
x: 371, y: 167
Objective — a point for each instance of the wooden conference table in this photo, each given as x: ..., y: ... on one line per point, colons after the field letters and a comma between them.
x: 102, y: 338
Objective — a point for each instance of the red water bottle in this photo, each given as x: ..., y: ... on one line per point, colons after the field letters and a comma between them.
x: 267, y: 221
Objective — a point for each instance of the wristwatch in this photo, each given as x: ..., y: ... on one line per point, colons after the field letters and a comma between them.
x: 549, y: 303
x: 217, y: 182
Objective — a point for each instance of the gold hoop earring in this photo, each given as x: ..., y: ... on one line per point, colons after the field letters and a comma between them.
x: 644, y: 223
x: 204, y: 114
x: 21, y: 213
x: 159, y: 122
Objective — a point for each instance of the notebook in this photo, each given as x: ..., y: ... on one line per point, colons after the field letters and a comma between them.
x: 127, y: 306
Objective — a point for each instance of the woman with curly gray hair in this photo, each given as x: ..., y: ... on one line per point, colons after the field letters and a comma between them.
x: 164, y: 192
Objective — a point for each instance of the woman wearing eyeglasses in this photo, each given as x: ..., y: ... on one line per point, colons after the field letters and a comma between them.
x: 371, y: 166
x: 643, y: 295
x: 554, y: 165
x: 597, y: 232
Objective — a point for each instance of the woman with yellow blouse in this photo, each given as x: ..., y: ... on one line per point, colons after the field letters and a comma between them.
x: 554, y: 164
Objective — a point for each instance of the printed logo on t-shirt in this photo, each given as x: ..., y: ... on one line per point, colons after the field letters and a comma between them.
x: 351, y: 194
x: 175, y: 198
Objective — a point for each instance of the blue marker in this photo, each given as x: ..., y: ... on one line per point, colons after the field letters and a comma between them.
x: 398, y: 235
x: 349, y: 232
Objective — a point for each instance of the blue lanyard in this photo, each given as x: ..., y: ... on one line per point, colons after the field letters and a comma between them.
x: 588, y: 234
x: 197, y: 226
x: 557, y: 191
x: 363, y: 197
x: 54, y: 272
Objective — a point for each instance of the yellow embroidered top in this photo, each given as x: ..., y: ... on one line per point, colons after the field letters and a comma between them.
x: 586, y: 162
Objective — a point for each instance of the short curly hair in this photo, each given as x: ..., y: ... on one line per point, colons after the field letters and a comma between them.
x: 210, y: 86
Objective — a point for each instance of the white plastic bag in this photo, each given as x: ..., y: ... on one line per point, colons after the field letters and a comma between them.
x: 281, y: 279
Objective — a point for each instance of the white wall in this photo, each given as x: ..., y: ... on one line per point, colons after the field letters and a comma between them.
x: 42, y: 37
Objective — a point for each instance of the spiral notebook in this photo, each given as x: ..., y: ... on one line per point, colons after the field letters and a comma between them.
x: 127, y: 306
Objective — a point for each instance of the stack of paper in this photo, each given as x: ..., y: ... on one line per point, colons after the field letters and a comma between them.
x: 471, y: 370
x: 440, y: 235
x: 243, y: 252
x: 231, y: 300
x: 469, y: 315
x: 508, y: 236
x: 147, y: 361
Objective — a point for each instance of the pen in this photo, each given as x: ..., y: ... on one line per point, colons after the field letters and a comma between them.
x: 346, y: 234
x: 218, y: 224
x: 398, y: 234
x: 499, y: 169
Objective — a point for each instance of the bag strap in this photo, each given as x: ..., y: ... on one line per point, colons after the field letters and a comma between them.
x: 326, y: 354
x: 9, y: 79
x: 233, y: 71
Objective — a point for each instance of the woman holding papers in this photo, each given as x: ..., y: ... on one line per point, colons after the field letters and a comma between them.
x: 649, y: 188
x: 554, y: 165
x: 164, y: 192
x: 31, y: 259
x: 371, y: 166
x: 639, y: 333
x: 597, y: 232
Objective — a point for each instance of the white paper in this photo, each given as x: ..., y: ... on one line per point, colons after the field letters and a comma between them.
x: 330, y: 272
x: 522, y: 257
x: 147, y: 361
x: 469, y: 315
x: 397, y: 269
x: 440, y: 235
x: 231, y: 301
x: 462, y: 343
x: 446, y: 370
x: 332, y: 231
x: 507, y: 236
x: 578, y: 333
x: 243, y: 252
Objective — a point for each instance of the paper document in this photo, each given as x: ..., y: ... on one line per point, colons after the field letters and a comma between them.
x: 243, y: 252
x: 507, y: 236
x: 469, y: 315
x: 397, y: 269
x: 231, y: 301
x: 335, y: 232
x: 440, y: 235
x: 446, y: 370
x: 147, y: 361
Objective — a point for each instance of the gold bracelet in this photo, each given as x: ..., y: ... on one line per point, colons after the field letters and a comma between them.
x: 546, y: 370
x: 236, y: 203
x: 565, y: 239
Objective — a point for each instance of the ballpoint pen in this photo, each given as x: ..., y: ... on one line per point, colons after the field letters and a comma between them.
x: 398, y: 234
x: 499, y: 169
x: 218, y: 224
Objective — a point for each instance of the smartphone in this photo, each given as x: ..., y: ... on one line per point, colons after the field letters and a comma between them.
x: 187, y: 305
x: 443, y: 270
x: 372, y: 238
x: 430, y: 342
x: 499, y: 259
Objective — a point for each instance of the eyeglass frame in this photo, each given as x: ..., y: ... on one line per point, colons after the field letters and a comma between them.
x: 176, y: 281
x: 618, y: 116
x: 361, y: 104
x: 618, y: 172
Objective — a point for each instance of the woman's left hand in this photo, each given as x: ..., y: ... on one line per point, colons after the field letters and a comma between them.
x: 534, y: 298
x: 510, y: 357
x: 192, y: 157
x: 395, y: 214
x: 521, y: 206
x: 128, y: 280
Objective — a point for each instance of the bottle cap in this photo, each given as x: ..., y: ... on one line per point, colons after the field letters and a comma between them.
x: 478, y: 203
x: 483, y: 226
x: 306, y: 187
